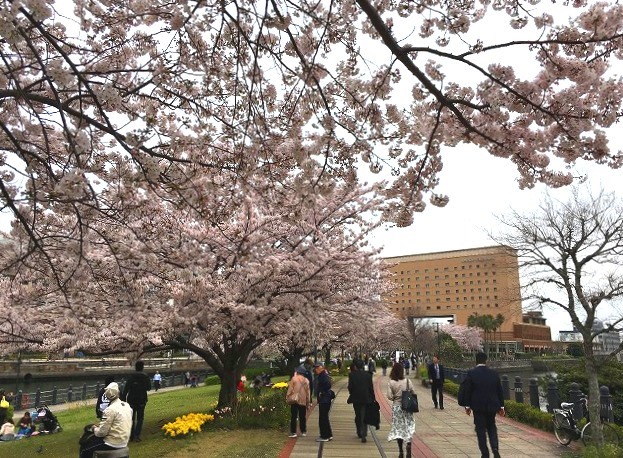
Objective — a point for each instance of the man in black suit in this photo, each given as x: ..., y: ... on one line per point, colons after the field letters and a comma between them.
x: 436, y: 377
x: 361, y: 393
x: 483, y: 396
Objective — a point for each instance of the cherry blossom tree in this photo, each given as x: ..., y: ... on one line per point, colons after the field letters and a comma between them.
x: 137, y: 136
x: 570, y: 253
x: 218, y: 281
x: 251, y: 87
x: 467, y: 338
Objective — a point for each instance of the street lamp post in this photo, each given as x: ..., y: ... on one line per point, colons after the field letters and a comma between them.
x: 438, y: 337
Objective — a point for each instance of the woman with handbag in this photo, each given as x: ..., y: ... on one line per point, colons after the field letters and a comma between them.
x: 299, y: 398
x: 403, y: 423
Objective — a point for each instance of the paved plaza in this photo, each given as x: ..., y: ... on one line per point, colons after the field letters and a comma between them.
x: 447, y: 433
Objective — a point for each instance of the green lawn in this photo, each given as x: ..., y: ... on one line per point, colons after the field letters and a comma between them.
x: 163, y: 407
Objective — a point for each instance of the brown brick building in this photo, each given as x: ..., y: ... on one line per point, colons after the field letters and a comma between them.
x: 450, y: 286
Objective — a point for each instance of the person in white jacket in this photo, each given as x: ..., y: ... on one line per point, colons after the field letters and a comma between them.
x: 113, y: 431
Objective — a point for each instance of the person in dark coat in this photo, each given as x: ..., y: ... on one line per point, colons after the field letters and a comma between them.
x: 324, y: 398
x: 102, y: 401
x: 484, y: 397
x: 436, y: 378
x: 384, y: 366
x: 309, y: 365
x: 361, y: 392
x: 135, y: 393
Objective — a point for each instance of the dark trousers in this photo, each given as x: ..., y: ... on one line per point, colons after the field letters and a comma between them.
x: 96, y: 443
x: 485, y: 425
x: 360, y: 420
x: 300, y: 412
x: 323, y: 421
x: 138, y: 414
x: 436, y: 389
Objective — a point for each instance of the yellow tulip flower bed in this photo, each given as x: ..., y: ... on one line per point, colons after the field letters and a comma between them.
x: 186, y: 424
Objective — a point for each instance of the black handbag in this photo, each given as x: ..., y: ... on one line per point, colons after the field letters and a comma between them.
x: 409, y: 400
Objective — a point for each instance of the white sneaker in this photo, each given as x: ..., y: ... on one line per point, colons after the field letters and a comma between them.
x: 292, y: 435
x: 322, y: 439
x: 304, y: 434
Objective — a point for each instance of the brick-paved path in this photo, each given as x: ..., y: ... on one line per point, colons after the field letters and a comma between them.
x: 447, y: 433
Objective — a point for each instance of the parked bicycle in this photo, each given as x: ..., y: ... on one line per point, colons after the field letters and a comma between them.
x: 566, y: 428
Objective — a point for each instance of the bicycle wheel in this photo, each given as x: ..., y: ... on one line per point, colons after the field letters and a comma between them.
x: 561, y: 429
x: 610, y: 434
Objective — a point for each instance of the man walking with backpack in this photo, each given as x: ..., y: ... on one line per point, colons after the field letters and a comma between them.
x: 135, y: 393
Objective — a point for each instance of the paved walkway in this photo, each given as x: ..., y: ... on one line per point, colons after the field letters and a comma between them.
x: 447, y: 433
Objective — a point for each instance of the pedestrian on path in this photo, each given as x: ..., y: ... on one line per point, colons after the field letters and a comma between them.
x: 482, y: 394
x: 157, y: 380
x: 436, y: 378
x: 403, y: 423
x: 299, y: 398
x: 324, y: 396
x: 308, y: 364
x: 361, y: 393
x: 384, y: 366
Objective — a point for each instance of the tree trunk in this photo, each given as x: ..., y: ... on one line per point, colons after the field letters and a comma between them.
x: 593, y: 394
x: 293, y: 357
x: 228, y: 361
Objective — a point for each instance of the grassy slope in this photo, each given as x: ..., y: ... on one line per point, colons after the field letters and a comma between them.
x: 162, y: 408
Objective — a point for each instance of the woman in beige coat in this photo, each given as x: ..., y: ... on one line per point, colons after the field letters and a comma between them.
x: 298, y: 396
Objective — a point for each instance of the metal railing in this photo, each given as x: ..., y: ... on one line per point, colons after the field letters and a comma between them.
x: 38, y: 398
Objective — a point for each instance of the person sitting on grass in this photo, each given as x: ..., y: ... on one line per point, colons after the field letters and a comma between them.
x: 7, y: 431
x: 25, y: 425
